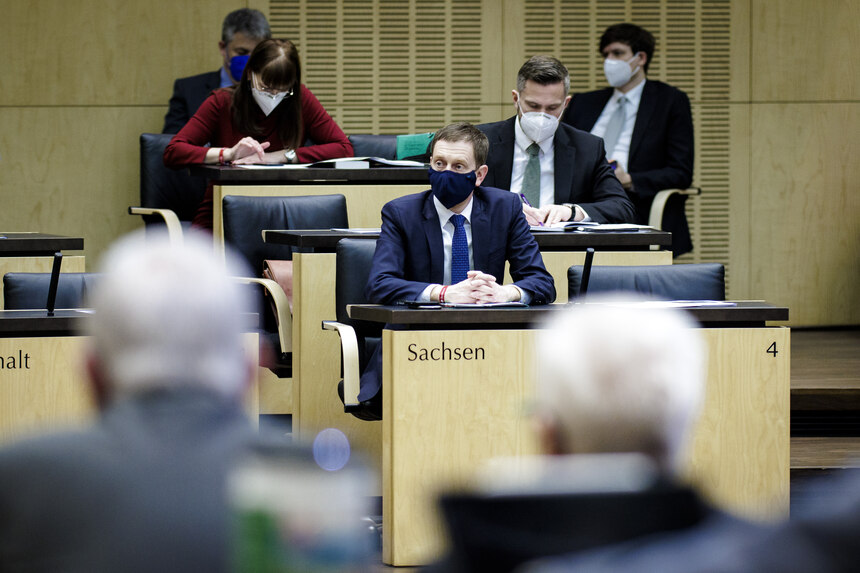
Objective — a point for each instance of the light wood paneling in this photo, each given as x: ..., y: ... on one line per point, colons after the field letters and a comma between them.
x: 72, y: 171
x: 740, y: 215
x: 106, y: 53
x: 740, y: 448
x: 805, y: 209
x: 71, y: 264
x: 805, y: 50
x: 44, y: 389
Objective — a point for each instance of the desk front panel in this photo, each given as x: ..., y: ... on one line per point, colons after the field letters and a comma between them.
x: 71, y: 264
x: 363, y: 202
x: 443, y: 416
x: 43, y: 384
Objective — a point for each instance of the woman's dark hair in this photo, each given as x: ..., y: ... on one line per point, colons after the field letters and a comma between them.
x: 276, y: 64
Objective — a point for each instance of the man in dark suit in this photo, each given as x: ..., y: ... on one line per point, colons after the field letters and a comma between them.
x: 242, y: 30
x: 561, y: 172
x: 144, y: 488
x: 450, y: 244
x: 652, y: 135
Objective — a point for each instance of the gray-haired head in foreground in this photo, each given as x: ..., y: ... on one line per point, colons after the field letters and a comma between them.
x: 169, y: 316
x: 252, y: 23
x: 543, y: 70
x: 619, y: 378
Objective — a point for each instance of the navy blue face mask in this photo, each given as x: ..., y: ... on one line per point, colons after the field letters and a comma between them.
x: 450, y: 187
x: 237, y: 66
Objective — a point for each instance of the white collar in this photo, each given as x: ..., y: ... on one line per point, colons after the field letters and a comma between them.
x: 445, y: 213
x: 633, y: 96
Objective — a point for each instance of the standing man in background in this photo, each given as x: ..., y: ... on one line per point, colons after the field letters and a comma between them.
x: 560, y: 172
x: 646, y: 126
x: 241, y: 32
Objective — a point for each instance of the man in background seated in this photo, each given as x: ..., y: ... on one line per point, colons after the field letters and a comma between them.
x: 242, y: 30
x: 649, y: 136
x: 144, y: 487
x: 450, y: 243
x: 561, y: 172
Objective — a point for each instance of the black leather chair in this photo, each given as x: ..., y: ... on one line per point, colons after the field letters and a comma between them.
x: 245, y: 219
x: 384, y: 146
x: 30, y: 290
x: 705, y: 281
x: 167, y: 197
x: 358, y: 338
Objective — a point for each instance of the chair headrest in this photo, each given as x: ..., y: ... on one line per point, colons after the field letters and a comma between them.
x: 704, y: 281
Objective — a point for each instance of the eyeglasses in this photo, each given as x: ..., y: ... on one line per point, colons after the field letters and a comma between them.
x: 271, y: 92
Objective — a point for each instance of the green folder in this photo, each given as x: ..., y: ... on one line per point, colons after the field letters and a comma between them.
x: 413, y: 144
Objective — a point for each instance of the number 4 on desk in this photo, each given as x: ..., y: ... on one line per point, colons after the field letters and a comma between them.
x: 772, y: 349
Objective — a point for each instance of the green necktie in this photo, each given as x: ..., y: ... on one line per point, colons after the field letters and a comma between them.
x: 531, y: 176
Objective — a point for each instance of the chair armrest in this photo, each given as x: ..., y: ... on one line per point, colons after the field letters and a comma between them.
x: 283, y: 316
x: 349, y: 351
x: 655, y: 215
x: 174, y: 227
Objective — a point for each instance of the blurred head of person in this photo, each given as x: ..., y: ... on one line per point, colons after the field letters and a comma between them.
x: 167, y: 317
x: 271, y: 87
x: 617, y: 377
x: 241, y: 31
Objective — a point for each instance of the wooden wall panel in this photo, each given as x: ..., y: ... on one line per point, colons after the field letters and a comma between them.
x: 103, y: 52
x: 72, y: 171
x: 805, y: 50
x: 805, y: 210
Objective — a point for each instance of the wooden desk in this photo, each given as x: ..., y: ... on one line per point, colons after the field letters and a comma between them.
x: 42, y: 381
x: 366, y: 190
x: 441, y: 417
x: 316, y: 361
x: 34, y: 253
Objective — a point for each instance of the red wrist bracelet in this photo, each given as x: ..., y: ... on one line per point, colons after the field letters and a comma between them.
x: 442, y: 293
x: 221, y: 156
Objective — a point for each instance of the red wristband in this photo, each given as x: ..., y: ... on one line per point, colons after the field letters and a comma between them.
x: 221, y: 157
x: 442, y: 293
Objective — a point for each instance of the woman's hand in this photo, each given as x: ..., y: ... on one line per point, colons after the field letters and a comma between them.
x: 247, y: 151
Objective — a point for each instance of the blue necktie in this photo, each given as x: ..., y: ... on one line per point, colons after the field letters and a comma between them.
x: 459, y: 250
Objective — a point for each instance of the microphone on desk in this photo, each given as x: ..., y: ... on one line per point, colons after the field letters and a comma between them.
x: 586, y: 273
x: 55, y: 282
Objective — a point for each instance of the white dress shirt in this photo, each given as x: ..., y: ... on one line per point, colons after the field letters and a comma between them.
x: 622, y: 147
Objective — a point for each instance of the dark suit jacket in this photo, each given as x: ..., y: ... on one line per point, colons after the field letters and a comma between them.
x: 188, y: 95
x: 409, y: 255
x: 661, y: 149
x: 144, y: 489
x: 582, y: 175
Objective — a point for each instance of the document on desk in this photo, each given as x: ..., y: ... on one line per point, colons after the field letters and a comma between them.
x: 358, y: 230
x: 365, y: 162
x: 275, y: 166
x: 609, y: 228
x: 669, y: 304
x: 483, y: 305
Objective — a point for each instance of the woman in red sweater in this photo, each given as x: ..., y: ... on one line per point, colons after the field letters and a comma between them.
x: 264, y: 119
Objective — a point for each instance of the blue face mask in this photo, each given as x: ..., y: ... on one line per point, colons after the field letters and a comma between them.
x: 451, y: 188
x: 237, y: 66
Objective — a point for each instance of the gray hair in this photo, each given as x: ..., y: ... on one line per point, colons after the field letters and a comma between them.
x: 544, y: 70
x: 169, y: 316
x: 616, y: 377
x: 250, y: 22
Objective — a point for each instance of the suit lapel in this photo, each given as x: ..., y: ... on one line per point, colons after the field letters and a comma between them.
x: 433, y: 235
x: 480, y: 232
x: 503, y: 149
x: 643, y: 117
x: 565, y: 158
x: 592, y: 113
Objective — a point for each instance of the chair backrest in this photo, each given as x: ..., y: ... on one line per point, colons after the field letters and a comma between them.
x: 352, y: 262
x: 245, y: 218
x: 500, y: 532
x: 30, y: 290
x: 164, y: 188
x: 365, y: 145
x: 704, y: 281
